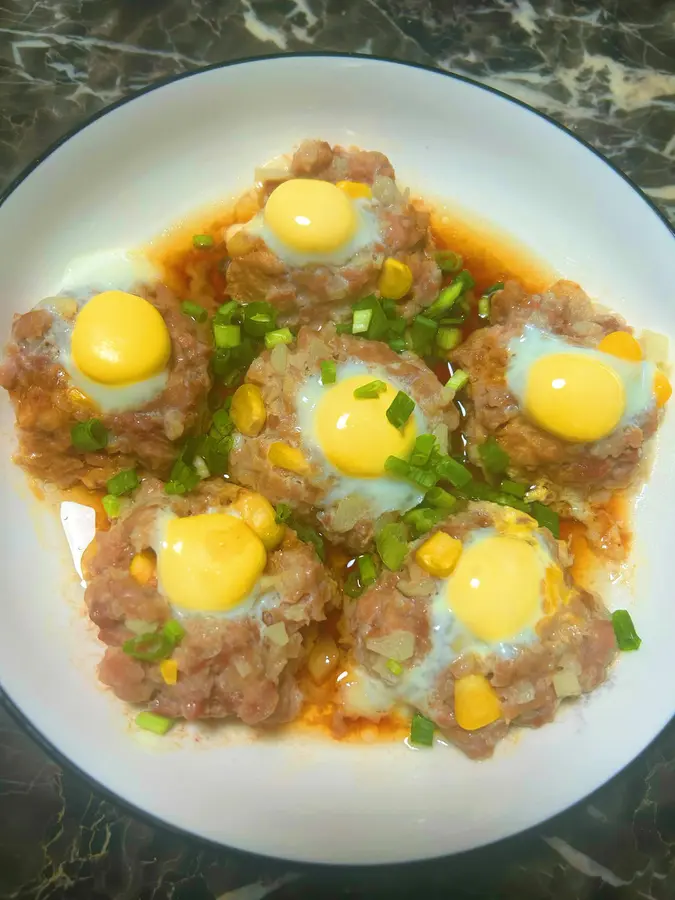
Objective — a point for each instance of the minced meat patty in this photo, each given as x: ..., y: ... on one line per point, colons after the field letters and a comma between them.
x: 563, y: 310
x: 47, y: 406
x: 349, y: 520
x: 577, y: 638
x: 316, y: 292
x: 226, y: 665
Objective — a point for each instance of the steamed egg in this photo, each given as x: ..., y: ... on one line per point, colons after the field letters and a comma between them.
x: 577, y: 393
x: 349, y: 439
x: 311, y: 222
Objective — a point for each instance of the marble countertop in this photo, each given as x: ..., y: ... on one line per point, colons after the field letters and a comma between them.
x: 606, y: 70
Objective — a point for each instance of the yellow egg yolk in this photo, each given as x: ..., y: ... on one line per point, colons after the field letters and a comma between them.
x: 120, y: 338
x: 310, y: 216
x: 209, y: 562
x: 575, y: 397
x: 496, y: 587
x: 355, y: 435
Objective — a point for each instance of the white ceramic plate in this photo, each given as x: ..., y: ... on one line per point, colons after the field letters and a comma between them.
x: 139, y: 168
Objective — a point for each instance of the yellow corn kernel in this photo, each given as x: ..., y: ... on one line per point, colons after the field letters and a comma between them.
x: 258, y: 513
x: 248, y: 410
x: 395, y: 280
x: 476, y: 703
x: 355, y: 189
x: 286, y: 457
x: 169, y: 670
x: 662, y: 389
x: 143, y: 567
x: 439, y: 555
x: 621, y: 344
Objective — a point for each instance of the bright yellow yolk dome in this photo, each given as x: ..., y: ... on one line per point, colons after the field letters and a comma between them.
x: 496, y: 587
x: 209, y: 562
x: 311, y: 216
x: 575, y: 397
x: 355, y: 435
x: 120, y: 338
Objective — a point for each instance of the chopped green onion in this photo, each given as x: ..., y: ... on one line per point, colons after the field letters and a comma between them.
x: 282, y: 513
x: 152, y: 722
x: 392, y: 545
x: 173, y: 630
x: 225, y: 313
x: 216, y: 453
x: 627, y: 637
x: 400, y: 410
x: 343, y: 328
x: 512, y: 487
x: 222, y: 423
x: 395, y: 466
x: 280, y: 336
x: 449, y: 338
x: 328, y: 371
x: 378, y: 324
x: 422, y: 731
x: 484, y: 307
x: 122, y: 483
x: 371, y: 390
x: 445, y: 300
x: 423, y: 334
x: 202, y: 241
x: 421, y: 453
x: 183, y: 478
x: 258, y: 318
x: 194, y: 311
x: 422, y: 519
x: 310, y: 536
x: 397, y: 326
x: 367, y: 570
x: 457, y: 380
x: 112, y: 506
x: 88, y: 436
x: 547, y: 518
x: 423, y: 477
x: 440, y: 499
x: 361, y: 321
x: 497, y: 286
x: 454, y: 320
x: 226, y: 336
x: 352, y: 586
x: 394, y: 667
x: 477, y: 490
x: 389, y: 307
x: 495, y: 460
x: 447, y: 261
x: 398, y: 345
x: 453, y: 471
x: 467, y: 279
x: 149, y: 647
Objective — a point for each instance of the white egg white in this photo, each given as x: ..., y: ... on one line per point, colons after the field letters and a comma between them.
x: 106, y: 270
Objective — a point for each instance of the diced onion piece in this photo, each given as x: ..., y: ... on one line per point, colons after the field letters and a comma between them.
x: 323, y: 659
x: 416, y: 587
x: 566, y: 684
x: 398, y: 645
x: 440, y: 432
x: 243, y: 667
x: 279, y: 358
x: 138, y: 626
x: 385, y: 190
x: 655, y: 346
x: 348, y: 511
x: 277, y: 634
x: 277, y: 169
x: 200, y: 467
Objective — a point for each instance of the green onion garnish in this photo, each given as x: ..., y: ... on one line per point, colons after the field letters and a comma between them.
x: 149, y: 647
x: 423, y: 334
x: 122, y: 483
x: 328, y: 371
x: 394, y: 667
x: 457, y: 380
x: 389, y: 307
x: 495, y: 460
x: 497, y: 286
x: 467, y: 279
x: 395, y: 466
x: 194, y: 311
x: 226, y: 312
x: 89, y: 436
x: 112, y: 506
x: 280, y: 336
x: 547, y: 518
x: 310, y: 536
x: 398, y: 345
x: 445, y: 300
x: 202, y: 241
x: 343, y: 328
x: 361, y: 321
x: 440, y: 499
x: 152, y: 722
x: 352, y: 586
x: 378, y: 324
x: 371, y: 390
x: 513, y: 487
x: 226, y: 336
x: 422, y: 731
x: 282, y: 513
x: 423, y: 477
x: 627, y: 637
x: 421, y: 453
x: 484, y: 307
x: 259, y: 318
x: 392, y: 545
x: 221, y: 423
x: 453, y: 471
x: 423, y: 519
x: 477, y: 490
x: 401, y: 409
x: 367, y: 570
x: 173, y: 630
x: 183, y: 476
x: 448, y: 338
x: 447, y: 261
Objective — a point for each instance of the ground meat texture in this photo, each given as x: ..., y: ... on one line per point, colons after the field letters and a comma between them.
x: 578, y: 638
x: 492, y: 410
x: 226, y: 666
x: 249, y: 465
x: 47, y: 406
x: 311, y: 294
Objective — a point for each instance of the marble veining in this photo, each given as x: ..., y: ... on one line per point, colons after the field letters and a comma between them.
x: 604, y: 68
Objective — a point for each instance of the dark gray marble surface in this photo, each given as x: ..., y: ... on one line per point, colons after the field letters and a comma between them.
x: 605, y: 69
